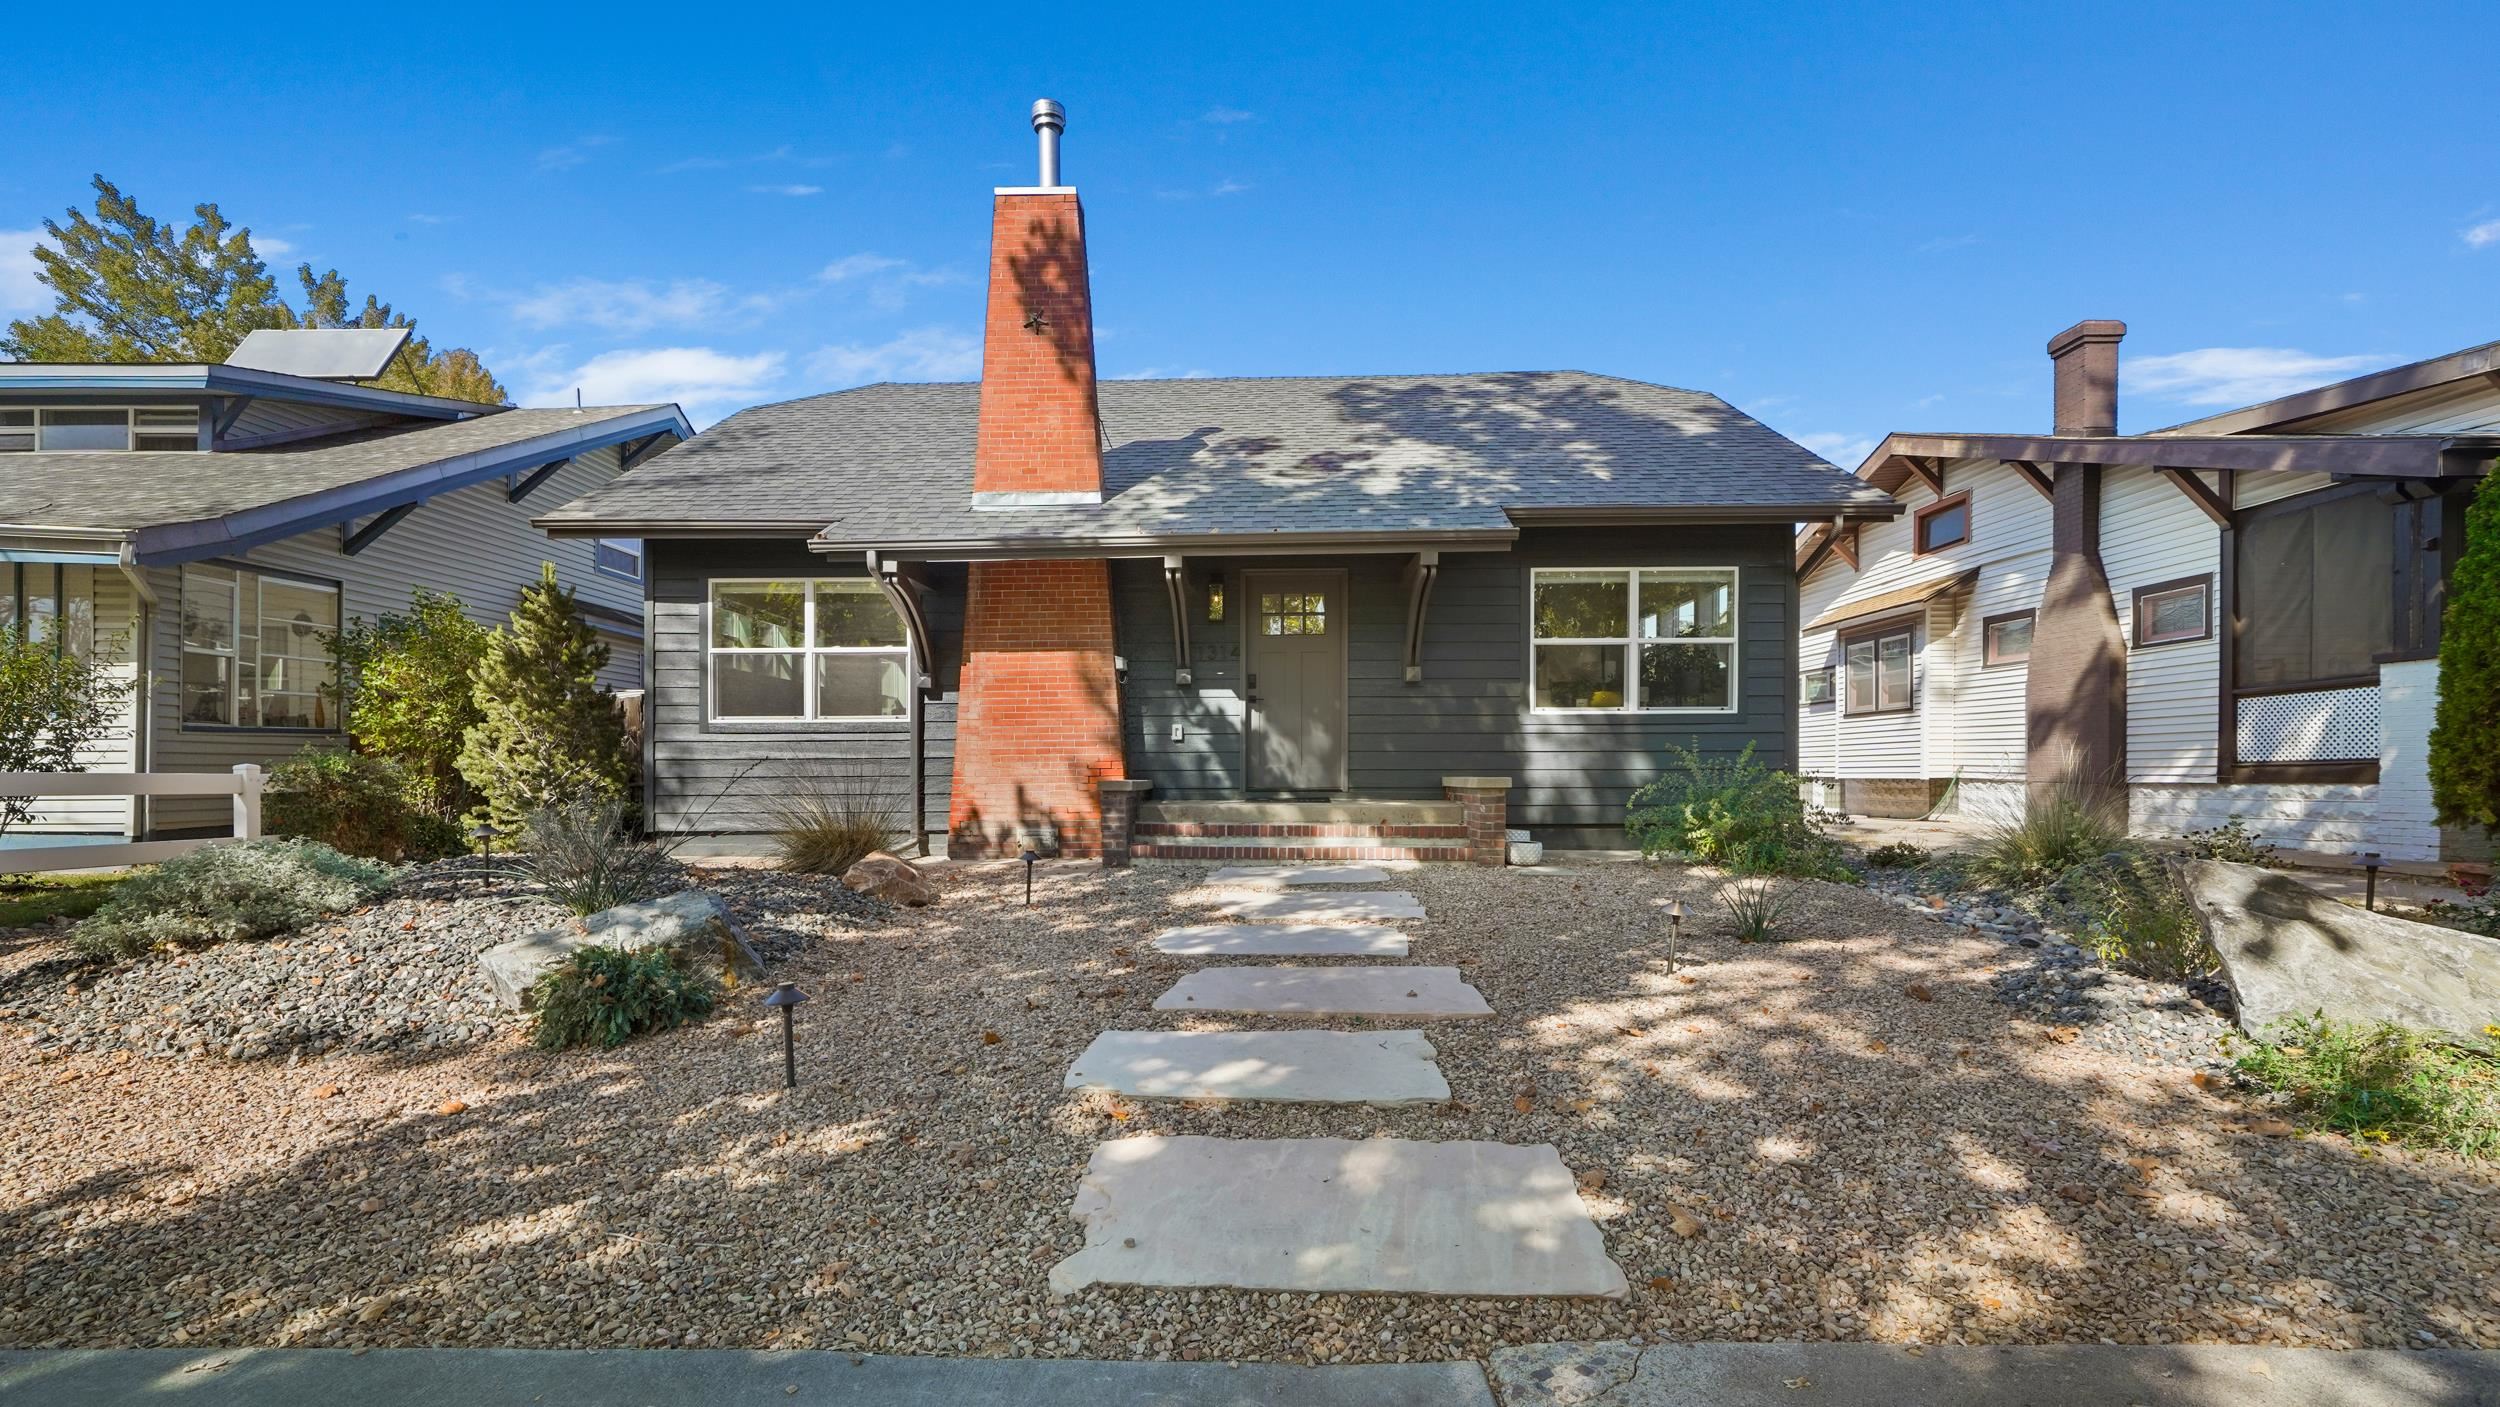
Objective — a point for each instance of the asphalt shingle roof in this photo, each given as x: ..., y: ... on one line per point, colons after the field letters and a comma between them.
x: 891, y: 465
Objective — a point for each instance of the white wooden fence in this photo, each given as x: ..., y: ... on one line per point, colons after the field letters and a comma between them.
x: 243, y: 784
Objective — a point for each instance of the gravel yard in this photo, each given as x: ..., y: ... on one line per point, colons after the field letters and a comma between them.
x: 1845, y: 1136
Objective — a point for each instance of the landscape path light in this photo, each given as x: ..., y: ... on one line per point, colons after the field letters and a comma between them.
x: 1031, y: 855
x: 1675, y: 935
x: 2370, y: 862
x: 787, y: 997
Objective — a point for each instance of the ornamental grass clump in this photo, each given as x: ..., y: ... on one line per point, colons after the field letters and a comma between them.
x: 583, y: 856
x: 826, y: 824
x: 225, y: 893
x: 2056, y: 834
x: 607, y: 996
x: 2383, y: 1082
x: 1758, y: 905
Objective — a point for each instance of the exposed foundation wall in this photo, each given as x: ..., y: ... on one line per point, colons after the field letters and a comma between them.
x: 2333, y: 818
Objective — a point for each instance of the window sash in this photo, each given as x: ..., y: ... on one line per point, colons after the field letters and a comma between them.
x: 2148, y: 615
x: 1652, y: 648
x: 243, y: 665
x: 618, y: 556
x: 1881, y: 672
x: 815, y: 670
x: 1994, y: 653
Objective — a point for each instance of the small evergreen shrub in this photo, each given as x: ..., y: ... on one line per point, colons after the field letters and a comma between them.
x: 357, y: 805
x: 2056, y: 833
x: 227, y: 892
x: 2232, y: 841
x: 606, y: 996
x: 1758, y: 904
x: 1899, y: 855
x: 2383, y: 1082
x: 825, y: 825
x: 582, y: 856
x: 2464, y: 752
x: 2139, y: 919
x: 1732, y: 812
x: 547, y: 735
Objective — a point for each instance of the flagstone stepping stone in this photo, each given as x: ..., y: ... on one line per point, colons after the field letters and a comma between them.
x: 1282, y: 940
x: 1378, y: 1215
x: 1401, y: 992
x: 1279, y: 1067
x: 1364, y: 906
x: 1300, y: 874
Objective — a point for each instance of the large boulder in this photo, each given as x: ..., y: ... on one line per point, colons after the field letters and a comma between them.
x: 2289, y: 950
x: 889, y: 877
x: 695, y: 922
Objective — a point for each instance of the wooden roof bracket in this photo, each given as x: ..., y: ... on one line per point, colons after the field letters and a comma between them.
x: 1420, y: 575
x: 1845, y: 542
x: 2215, y: 504
x: 2035, y: 476
x: 1929, y: 471
x: 903, y: 591
x: 1176, y: 589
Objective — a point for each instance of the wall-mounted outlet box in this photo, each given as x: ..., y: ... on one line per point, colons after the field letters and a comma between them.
x: 1179, y: 733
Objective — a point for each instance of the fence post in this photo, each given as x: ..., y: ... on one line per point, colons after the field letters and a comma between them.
x: 247, y: 780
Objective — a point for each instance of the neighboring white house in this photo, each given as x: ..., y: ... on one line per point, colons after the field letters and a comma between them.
x: 2256, y: 612
x: 205, y: 527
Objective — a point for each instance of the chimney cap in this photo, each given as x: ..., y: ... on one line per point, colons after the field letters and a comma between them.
x: 2088, y: 330
x: 1049, y: 115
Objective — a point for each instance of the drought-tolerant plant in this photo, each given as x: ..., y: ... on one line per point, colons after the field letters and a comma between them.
x: 1899, y: 855
x: 356, y: 804
x: 605, y: 996
x: 221, y: 893
x: 2139, y: 918
x: 408, y: 685
x: 824, y: 824
x: 2056, y: 833
x: 54, y: 703
x: 2465, y: 915
x: 2382, y: 1081
x: 1758, y: 904
x: 2464, y: 752
x: 2232, y: 841
x: 581, y: 855
x: 1732, y: 812
x: 547, y: 735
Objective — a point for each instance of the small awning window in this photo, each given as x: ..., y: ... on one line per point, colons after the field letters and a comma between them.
x: 1892, y: 600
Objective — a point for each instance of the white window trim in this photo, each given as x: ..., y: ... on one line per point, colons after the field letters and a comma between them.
x: 807, y: 686
x: 131, y: 429
x: 638, y: 554
x: 233, y: 652
x: 1734, y: 640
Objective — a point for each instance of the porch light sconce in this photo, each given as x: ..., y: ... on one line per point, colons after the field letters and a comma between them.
x: 1215, y: 601
x: 1029, y: 857
x: 786, y: 998
x: 2370, y: 863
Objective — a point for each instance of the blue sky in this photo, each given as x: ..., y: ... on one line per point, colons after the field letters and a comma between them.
x: 1846, y: 220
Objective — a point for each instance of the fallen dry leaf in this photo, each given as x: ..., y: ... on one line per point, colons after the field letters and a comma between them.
x: 1685, y: 1224
x: 326, y: 1092
x: 1661, y: 1282
x: 2063, y: 1035
x: 2077, y: 1192
x: 1524, y: 1104
x: 2271, y: 1128
x: 450, y: 1107
x: 1920, y: 991
x: 1593, y: 1179
x: 1878, y: 1047
x: 991, y: 1038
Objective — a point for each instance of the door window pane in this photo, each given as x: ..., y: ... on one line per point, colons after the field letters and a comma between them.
x: 1687, y: 676
x: 758, y: 686
x: 1579, y: 676
x: 768, y: 615
x: 1583, y: 605
x: 860, y: 686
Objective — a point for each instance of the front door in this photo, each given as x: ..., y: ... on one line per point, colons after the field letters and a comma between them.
x: 1296, y: 680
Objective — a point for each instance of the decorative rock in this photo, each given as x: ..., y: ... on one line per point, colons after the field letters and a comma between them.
x: 1384, y: 1215
x: 1363, y: 907
x: 1282, y: 940
x: 2289, y: 950
x: 1407, y: 993
x: 695, y: 922
x: 1277, y: 1067
x: 889, y: 877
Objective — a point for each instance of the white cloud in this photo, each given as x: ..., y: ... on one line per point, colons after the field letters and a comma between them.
x: 2481, y: 236
x: 1841, y: 448
x: 1929, y: 402
x: 793, y: 189
x: 923, y: 354
x: 572, y: 154
x: 1227, y: 116
x: 634, y: 305
x: 273, y: 247
x: 2229, y: 376
x: 706, y: 382
x: 1945, y: 243
x: 889, y: 281
x: 20, y: 291
x: 851, y: 266
x: 1220, y: 189
x: 420, y: 217
x: 1162, y: 373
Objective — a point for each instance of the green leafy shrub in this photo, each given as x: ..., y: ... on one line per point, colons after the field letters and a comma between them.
x: 2138, y: 918
x: 409, y: 687
x: 1758, y: 904
x: 226, y: 892
x: 53, y: 704
x: 2382, y: 1081
x: 581, y: 855
x: 1732, y: 812
x: 547, y: 735
x: 826, y: 824
x: 2232, y: 841
x: 2056, y: 833
x: 1899, y: 855
x: 606, y: 996
x: 355, y: 804
x: 2465, y: 915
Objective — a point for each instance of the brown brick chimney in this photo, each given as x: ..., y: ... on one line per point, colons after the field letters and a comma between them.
x: 1038, y: 718
x: 2076, y: 687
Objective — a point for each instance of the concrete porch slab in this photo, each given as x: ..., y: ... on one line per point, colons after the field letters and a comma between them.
x: 1276, y: 1067
x: 1365, y: 906
x: 1407, y: 993
x: 1298, y: 875
x: 1282, y: 940
x: 1380, y: 1215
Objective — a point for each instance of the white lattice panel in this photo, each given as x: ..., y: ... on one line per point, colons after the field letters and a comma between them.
x: 2332, y: 725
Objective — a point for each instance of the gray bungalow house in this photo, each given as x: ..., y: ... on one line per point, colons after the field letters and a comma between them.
x: 204, y: 527
x: 1223, y: 618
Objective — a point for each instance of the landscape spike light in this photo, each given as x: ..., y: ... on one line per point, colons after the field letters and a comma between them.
x: 2370, y: 862
x: 484, y: 834
x: 787, y: 997
x: 1675, y: 934
x: 1031, y: 856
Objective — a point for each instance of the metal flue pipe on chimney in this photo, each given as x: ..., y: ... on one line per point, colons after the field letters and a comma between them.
x: 1049, y: 120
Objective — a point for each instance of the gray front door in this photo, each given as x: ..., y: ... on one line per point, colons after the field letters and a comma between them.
x: 1296, y: 668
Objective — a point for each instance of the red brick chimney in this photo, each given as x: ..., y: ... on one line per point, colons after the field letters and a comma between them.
x: 2076, y: 684
x: 1038, y: 718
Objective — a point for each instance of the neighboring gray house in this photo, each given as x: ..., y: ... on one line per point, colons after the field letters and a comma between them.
x: 205, y: 526
x: 1292, y: 607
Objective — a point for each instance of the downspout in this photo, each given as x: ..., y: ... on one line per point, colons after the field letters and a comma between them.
x: 924, y: 681
x: 143, y: 702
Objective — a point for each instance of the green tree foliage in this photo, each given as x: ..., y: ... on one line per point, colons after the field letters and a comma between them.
x: 2465, y: 736
x: 409, y: 683
x: 129, y: 288
x: 357, y: 805
x: 54, y: 703
x: 548, y: 736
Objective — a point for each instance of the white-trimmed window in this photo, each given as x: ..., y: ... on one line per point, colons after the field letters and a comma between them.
x: 796, y: 649
x: 255, y: 649
x: 107, y: 428
x: 1645, y: 639
x: 618, y: 556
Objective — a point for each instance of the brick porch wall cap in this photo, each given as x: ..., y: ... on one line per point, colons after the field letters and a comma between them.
x: 1477, y: 783
x: 1123, y: 784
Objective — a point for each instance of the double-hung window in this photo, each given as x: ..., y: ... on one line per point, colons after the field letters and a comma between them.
x: 255, y: 649
x: 818, y: 650
x: 1646, y: 639
x: 1879, y: 670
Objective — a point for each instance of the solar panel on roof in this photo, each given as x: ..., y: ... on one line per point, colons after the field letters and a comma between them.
x: 324, y: 353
